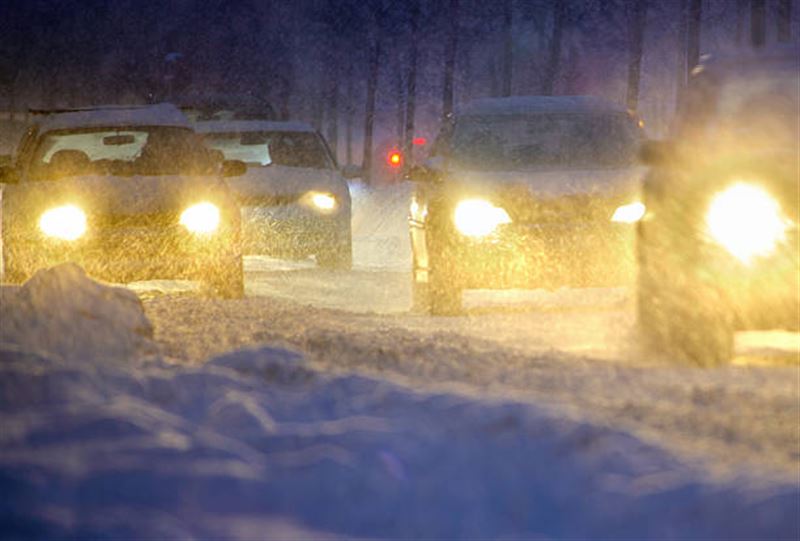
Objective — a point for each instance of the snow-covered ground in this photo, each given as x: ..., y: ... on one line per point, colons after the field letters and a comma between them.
x: 319, y: 408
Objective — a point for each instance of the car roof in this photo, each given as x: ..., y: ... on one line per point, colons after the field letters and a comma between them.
x: 244, y: 126
x: 516, y: 105
x: 162, y: 114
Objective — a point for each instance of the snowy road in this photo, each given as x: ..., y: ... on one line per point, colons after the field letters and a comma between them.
x: 574, y: 350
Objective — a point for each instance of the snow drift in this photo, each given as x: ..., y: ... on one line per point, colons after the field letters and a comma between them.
x: 260, y: 444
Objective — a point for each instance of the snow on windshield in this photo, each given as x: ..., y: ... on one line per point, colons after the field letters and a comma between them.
x: 289, y: 149
x: 120, y: 152
x: 520, y: 142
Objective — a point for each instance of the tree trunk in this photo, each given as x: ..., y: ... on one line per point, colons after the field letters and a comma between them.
x: 680, y: 60
x: 741, y: 19
x: 451, y: 49
x: 400, y: 106
x: 369, y: 115
x: 508, y: 46
x: 693, y: 40
x: 333, y: 112
x: 638, y: 20
x: 554, y: 57
x: 784, y: 21
x: 349, y: 112
x: 758, y: 22
x: 411, y: 81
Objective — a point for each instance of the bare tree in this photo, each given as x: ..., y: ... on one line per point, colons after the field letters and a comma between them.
x: 693, y: 37
x: 349, y: 114
x: 400, y: 105
x: 680, y: 61
x: 554, y: 56
x: 369, y: 114
x: 508, y: 46
x: 758, y: 23
x: 741, y: 20
x: 638, y: 20
x: 784, y: 20
x: 451, y: 48
x: 411, y: 80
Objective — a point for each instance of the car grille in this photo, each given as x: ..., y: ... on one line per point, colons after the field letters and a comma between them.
x: 124, y: 221
x: 562, y: 210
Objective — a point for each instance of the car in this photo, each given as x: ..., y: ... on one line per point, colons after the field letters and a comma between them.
x: 129, y: 192
x: 718, y: 248
x: 294, y: 200
x: 525, y: 192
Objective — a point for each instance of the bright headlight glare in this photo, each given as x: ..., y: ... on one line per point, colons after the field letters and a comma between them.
x: 201, y: 218
x: 630, y: 213
x: 747, y: 221
x: 323, y: 201
x: 66, y: 223
x: 478, y: 217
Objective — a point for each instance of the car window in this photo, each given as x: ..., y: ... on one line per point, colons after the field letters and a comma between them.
x: 121, y: 152
x: 289, y: 149
x: 522, y: 142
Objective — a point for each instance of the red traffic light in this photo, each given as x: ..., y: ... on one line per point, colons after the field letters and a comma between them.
x: 394, y: 158
x: 419, y: 141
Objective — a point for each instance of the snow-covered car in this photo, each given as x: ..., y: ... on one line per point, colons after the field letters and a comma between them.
x: 525, y: 192
x: 719, y: 247
x: 294, y: 200
x: 129, y: 193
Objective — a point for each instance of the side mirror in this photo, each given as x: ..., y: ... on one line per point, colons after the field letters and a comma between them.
x: 421, y: 173
x: 352, y: 171
x: 233, y: 168
x: 657, y: 153
x: 8, y: 175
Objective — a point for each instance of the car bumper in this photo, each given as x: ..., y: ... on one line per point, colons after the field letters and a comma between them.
x: 548, y: 256
x: 764, y: 294
x: 126, y: 254
x: 291, y: 230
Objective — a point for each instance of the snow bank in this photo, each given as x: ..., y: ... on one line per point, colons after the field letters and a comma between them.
x: 62, y: 312
x: 258, y: 444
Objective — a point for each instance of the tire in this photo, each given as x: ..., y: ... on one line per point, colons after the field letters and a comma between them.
x: 680, y: 315
x: 439, y: 296
x: 337, y: 256
x: 228, y: 280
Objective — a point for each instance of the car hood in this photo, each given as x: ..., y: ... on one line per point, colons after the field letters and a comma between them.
x: 118, y: 196
x: 280, y: 184
x: 549, y: 183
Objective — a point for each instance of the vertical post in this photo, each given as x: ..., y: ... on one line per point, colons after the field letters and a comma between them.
x: 680, y: 60
x: 551, y: 69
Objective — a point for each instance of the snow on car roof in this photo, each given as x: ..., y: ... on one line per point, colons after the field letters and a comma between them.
x: 162, y: 114
x: 516, y: 105
x: 244, y: 126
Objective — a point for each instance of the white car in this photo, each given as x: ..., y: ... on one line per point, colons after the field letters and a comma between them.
x: 295, y: 201
x: 130, y: 193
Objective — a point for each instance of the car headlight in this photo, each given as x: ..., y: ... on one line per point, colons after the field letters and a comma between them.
x: 478, y: 217
x: 65, y: 223
x: 201, y: 218
x: 630, y: 213
x: 747, y: 221
x: 322, y: 201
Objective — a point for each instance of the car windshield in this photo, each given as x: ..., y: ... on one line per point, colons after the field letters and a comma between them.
x: 289, y: 149
x: 523, y: 142
x: 143, y: 151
